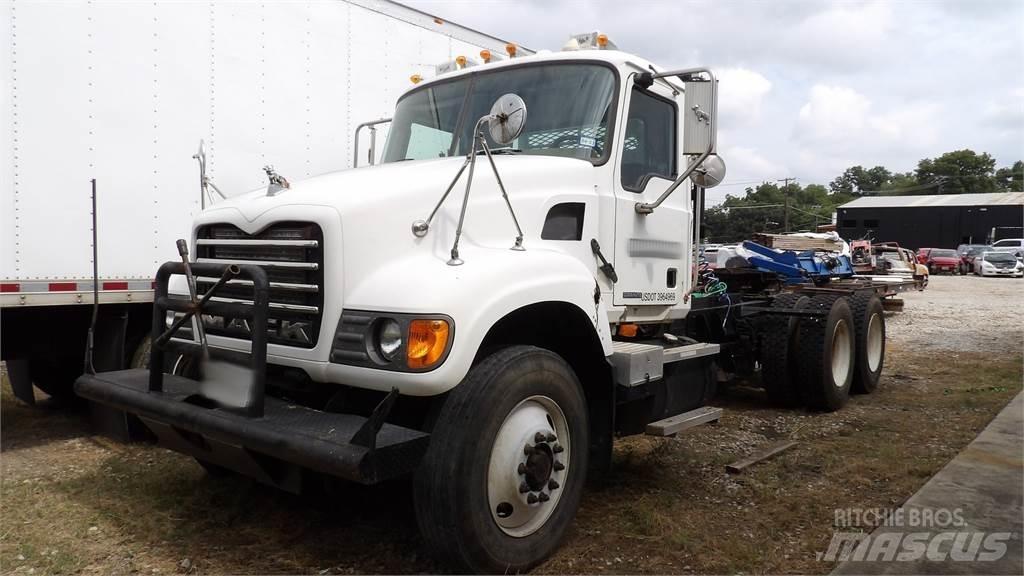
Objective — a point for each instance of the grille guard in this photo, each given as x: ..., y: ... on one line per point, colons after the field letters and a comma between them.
x: 363, y: 449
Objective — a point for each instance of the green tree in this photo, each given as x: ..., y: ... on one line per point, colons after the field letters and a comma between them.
x: 858, y: 180
x: 1011, y: 179
x: 959, y: 172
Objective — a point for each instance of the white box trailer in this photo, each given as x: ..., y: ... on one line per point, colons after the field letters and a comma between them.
x: 123, y: 92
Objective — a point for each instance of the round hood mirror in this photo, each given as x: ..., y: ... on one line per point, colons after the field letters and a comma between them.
x: 711, y: 172
x: 508, y: 116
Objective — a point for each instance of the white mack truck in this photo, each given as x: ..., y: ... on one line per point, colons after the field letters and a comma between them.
x: 512, y: 287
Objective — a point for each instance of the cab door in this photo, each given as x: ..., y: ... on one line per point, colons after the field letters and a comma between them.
x: 652, y: 251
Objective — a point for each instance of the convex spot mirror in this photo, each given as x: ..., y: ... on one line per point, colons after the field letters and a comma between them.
x: 507, y: 119
x: 710, y: 173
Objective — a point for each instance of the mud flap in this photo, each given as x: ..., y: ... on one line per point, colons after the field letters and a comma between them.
x: 21, y: 380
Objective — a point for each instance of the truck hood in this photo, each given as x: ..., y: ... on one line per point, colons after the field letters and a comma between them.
x: 412, y: 185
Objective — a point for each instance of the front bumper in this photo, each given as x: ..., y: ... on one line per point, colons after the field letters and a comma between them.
x: 263, y: 437
x: 258, y: 446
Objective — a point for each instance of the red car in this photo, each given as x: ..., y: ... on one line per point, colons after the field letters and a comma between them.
x: 939, y: 260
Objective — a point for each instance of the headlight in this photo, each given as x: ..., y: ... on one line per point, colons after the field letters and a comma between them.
x: 388, y: 337
x: 392, y: 340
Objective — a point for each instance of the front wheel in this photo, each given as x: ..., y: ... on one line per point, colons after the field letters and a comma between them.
x: 501, y: 482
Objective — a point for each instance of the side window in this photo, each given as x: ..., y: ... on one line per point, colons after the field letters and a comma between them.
x: 650, y: 145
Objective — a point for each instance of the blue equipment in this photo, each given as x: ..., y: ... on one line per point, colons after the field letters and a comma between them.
x: 799, y: 267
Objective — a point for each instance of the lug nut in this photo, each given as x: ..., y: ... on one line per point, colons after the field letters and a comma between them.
x: 553, y: 484
x: 551, y: 437
x: 524, y: 488
x: 557, y: 448
x: 531, y: 498
x: 522, y: 468
x: 559, y: 466
x: 528, y: 449
x: 538, y: 437
x: 543, y: 497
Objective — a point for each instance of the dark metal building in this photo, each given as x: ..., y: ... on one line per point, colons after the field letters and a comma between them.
x: 937, y: 221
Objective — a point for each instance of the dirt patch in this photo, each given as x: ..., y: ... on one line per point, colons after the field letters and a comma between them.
x: 76, y: 503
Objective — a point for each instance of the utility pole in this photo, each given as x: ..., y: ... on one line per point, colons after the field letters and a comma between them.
x: 785, y: 192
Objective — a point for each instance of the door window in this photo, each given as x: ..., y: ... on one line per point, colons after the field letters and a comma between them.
x: 650, y: 145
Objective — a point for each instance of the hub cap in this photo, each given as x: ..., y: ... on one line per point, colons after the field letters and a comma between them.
x: 842, y: 352
x: 874, y: 343
x: 528, y: 466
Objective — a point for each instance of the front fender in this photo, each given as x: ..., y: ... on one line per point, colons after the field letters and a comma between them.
x: 491, y: 284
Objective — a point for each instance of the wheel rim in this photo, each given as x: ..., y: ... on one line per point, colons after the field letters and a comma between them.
x: 528, y: 466
x: 841, y: 346
x: 874, y: 343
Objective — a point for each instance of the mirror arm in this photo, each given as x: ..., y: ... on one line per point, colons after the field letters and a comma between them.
x: 373, y: 140
x: 646, y: 79
x: 648, y: 207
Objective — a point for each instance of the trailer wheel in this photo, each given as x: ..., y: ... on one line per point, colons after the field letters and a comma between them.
x: 501, y: 482
x: 869, y: 321
x: 827, y: 352
x: 779, y: 352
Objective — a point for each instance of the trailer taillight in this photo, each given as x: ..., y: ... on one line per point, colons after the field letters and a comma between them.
x: 13, y: 287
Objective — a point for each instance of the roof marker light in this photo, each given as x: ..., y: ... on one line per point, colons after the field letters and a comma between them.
x: 602, y: 41
x: 415, y: 78
x: 511, y: 49
x: 460, y: 61
x: 485, y: 55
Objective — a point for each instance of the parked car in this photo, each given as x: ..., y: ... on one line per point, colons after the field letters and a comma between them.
x: 998, y: 263
x: 939, y: 260
x: 1014, y: 246
x: 967, y: 253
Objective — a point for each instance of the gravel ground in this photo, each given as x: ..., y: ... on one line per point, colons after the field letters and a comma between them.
x: 963, y: 314
x: 78, y: 503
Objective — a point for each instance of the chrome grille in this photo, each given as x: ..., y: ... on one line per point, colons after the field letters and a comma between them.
x: 292, y: 255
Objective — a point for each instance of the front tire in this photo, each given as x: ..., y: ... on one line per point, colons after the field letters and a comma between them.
x: 501, y: 482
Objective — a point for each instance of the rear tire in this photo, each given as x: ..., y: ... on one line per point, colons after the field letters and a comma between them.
x: 470, y: 478
x: 780, y: 353
x: 827, y: 353
x: 869, y: 321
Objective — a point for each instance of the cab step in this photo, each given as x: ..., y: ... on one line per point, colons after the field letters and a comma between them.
x: 674, y: 424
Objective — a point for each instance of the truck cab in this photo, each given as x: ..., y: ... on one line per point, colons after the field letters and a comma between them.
x: 512, y: 287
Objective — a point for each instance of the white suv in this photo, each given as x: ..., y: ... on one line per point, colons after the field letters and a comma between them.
x: 1013, y: 245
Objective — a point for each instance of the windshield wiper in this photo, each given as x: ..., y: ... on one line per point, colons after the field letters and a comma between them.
x: 496, y: 151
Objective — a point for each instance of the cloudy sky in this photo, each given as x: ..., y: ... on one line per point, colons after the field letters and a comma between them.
x: 810, y: 88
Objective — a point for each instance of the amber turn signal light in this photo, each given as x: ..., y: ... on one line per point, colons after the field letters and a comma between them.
x: 428, y: 340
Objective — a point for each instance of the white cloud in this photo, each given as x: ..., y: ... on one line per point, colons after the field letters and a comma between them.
x: 889, y: 75
x: 740, y: 94
x: 840, y: 121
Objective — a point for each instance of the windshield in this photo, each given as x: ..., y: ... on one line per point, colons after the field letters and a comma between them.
x: 942, y: 254
x: 1000, y: 257
x: 568, y: 109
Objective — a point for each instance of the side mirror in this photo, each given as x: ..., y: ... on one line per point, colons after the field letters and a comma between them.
x: 710, y: 173
x: 700, y: 115
x: 507, y: 119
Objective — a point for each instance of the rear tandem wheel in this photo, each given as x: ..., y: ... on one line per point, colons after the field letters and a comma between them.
x: 827, y: 353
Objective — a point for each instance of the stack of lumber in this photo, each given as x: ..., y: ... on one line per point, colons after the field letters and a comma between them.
x: 796, y: 243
